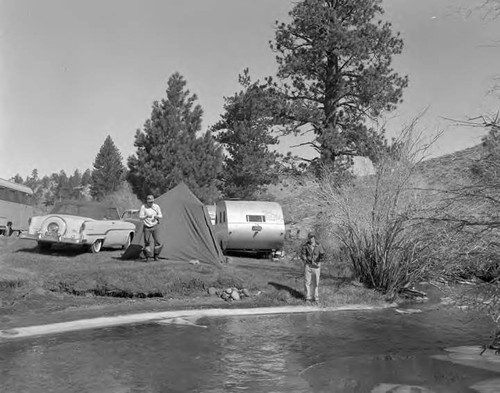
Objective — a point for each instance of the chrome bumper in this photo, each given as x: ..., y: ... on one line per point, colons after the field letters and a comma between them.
x: 53, y: 239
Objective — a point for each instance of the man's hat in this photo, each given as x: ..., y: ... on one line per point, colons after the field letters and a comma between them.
x: 150, y: 198
x: 310, y: 235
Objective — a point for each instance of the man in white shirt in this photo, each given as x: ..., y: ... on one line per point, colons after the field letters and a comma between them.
x: 150, y: 214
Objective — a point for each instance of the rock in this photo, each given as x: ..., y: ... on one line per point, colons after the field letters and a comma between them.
x: 235, y: 295
x: 194, y: 262
x: 229, y: 291
x: 446, y: 300
x: 212, y: 291
x: 245, y: 292
x: 411, y: 292
x: 225, y: 295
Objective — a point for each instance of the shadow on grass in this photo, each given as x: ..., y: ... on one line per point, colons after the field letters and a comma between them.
x: 139, y: 259
x: 293, y: 292
x: 288, y: 270
x: 247, y: 254
x: 55, y: 251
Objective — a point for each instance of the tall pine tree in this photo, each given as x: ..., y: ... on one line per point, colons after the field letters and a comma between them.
x: 334, y: 63
x: 245, y: 129
x: 86, y: 178
x: 108, y: 172
x: 169, y: 149
x: 62, y: 190
x: 75, y: 185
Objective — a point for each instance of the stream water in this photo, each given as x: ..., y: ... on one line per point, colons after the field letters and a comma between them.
x: 349, y: 351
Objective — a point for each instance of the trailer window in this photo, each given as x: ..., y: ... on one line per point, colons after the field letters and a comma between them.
x: 255, y: 218
x: 13, y: 196
x: 224, y: 216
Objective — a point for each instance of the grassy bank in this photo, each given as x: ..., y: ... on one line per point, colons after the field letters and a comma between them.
x: 36, y: 282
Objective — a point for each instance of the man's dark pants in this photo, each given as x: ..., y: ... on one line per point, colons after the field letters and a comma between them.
x: 152, y: 233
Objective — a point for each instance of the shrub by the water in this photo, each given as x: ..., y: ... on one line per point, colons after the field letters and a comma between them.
x: 378, y: 222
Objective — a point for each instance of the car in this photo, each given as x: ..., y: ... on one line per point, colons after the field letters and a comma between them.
x: 132, y: 216
x: 93, y: 225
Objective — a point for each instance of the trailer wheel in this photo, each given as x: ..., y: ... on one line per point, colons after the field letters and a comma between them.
x: 265, y: 255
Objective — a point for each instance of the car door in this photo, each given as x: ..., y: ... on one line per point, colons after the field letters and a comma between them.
x: 116, y: 233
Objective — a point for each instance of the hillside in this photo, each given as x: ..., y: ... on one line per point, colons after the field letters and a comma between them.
x: 449, y: 170
x: 297, y: 196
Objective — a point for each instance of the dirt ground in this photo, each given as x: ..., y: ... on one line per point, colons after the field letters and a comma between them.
x: 42, y: 307
x: 46, y: 308
x: 28, y: 295
x: 37, y: 305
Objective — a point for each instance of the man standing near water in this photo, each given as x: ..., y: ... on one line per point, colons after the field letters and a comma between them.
x: 150, y: 214
x: 311, y: 254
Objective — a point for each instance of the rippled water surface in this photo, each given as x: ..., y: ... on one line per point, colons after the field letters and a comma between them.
x: 313, y: 352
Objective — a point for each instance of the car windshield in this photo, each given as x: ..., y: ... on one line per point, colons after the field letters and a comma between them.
x: 95, y: 211
x: 130, y: 214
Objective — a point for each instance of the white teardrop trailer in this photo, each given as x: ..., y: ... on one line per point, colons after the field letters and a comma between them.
x: 250, y: 226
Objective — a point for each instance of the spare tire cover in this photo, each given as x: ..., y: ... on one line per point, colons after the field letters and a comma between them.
x: 54, y: 224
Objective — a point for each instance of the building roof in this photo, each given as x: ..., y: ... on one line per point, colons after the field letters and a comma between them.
x: 15, y: 186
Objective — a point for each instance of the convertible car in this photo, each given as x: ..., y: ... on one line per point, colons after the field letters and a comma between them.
x: 89, y: 224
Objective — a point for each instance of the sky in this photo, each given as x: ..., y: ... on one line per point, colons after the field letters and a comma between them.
x: 74, y: 71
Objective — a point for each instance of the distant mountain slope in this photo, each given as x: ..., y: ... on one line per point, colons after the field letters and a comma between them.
x: 449, y: 170
x: 294, y: 195
x: 298, y: 196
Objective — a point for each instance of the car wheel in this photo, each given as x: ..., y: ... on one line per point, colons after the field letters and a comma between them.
x: 44, y: 246
x: 128, y: 242
x: 96, y: 246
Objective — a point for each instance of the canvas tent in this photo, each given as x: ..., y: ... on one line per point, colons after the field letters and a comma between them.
x: 185, y: 229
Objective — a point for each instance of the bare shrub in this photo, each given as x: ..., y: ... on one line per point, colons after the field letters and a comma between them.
x: 469, y: 212
x: 379, y: 221
x: 469, y: 216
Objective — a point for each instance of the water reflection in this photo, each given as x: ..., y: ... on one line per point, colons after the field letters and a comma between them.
x: 255, y: 354
x: 314, y: 352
